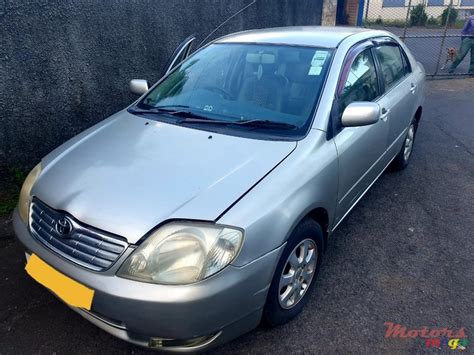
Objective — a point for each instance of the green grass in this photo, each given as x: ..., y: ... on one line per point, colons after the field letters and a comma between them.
x: 10, y: 190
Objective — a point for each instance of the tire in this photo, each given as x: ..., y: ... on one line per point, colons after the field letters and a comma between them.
x: 278, y: 311
x: 403, y: 157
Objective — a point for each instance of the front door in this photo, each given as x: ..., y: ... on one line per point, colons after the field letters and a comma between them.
x: 361, y: 150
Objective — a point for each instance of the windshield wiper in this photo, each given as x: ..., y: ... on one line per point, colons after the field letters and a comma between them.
x: 159, y: 109
x: 193, y: 117
x: 252, y: 123
x: 266, y: 124
x: 170, y: 108
x: 173, y: 110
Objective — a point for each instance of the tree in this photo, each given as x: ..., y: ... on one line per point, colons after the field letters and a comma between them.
x: 453, y: 16
x: 418, y: 16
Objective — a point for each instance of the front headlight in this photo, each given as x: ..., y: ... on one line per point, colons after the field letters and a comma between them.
x: 25, y: 198
x: 183, y: 253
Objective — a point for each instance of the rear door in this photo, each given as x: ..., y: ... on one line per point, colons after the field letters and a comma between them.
x: 399, y: 98
x: 360, y: 149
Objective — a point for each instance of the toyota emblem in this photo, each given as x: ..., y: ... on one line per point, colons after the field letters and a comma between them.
x: 63, y: 226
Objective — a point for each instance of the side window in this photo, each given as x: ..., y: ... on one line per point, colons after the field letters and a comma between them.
x: 361, y: 83
x: 390, y: 59
x: 406, y: 63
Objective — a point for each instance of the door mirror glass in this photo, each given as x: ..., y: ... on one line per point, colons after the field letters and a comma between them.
x: 138, y: 86
x: 360, y: 114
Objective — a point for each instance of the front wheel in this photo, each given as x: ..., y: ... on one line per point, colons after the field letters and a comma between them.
x: 403, y: 157
x: 295, y: 274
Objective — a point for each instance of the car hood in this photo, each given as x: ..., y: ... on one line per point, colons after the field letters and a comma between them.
x: 128, y: 174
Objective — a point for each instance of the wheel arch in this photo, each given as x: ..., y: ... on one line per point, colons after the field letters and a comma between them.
x: 418, y: 113
x: 321, y: 216
x: 318, y: 214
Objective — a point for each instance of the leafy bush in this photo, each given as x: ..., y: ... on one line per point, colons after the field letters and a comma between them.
x: 394, y: 23
x: 459, y: 24
x: 432, y: 21
x: 453, y: 15
x: 378, y: 22
x: 418, y: 16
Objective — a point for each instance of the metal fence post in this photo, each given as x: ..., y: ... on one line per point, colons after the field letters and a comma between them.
x: 444, y: 37
x: 366, y: 12
x: 406, y: 21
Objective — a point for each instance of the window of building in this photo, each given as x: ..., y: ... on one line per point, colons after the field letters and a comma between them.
x: 435, y: 2
x: 393, y: 3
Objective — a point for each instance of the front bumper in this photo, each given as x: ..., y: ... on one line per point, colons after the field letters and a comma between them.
x: 220, y: 308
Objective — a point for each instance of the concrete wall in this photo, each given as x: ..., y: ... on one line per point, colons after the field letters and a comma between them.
x: 65, y: 64
x: 329, y: 12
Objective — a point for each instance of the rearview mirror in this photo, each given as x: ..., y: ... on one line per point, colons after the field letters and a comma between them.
x: 138, y: 86
x: 360, y: 114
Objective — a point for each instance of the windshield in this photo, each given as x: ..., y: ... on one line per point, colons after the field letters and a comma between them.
x: 268, y: 89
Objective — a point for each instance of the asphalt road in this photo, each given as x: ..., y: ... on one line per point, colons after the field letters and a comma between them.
x: 403, y: 255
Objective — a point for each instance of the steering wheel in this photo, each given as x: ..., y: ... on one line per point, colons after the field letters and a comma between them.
x: 222, y: 92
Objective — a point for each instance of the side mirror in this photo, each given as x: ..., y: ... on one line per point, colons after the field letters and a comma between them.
x: 360, y: 114
x: 138, y: 86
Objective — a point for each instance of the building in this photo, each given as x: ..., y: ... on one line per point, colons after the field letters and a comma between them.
x: 397, y: 9
x: 353, y: 12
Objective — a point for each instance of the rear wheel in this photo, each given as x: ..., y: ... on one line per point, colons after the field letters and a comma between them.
x: 403, y: 158
x: 295, y: 274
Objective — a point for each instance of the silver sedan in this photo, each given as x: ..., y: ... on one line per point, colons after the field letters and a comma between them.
x: 205, y: 207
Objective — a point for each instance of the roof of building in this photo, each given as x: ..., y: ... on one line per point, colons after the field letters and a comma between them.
x: 320, y: 36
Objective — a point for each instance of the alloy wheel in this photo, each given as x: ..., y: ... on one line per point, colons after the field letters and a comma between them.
x: 409, y: 142
x: 298, y: 273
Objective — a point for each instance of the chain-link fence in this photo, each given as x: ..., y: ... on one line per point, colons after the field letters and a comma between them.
x: 434, y: 30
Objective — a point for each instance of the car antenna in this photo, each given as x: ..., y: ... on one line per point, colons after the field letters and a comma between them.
x: 227, y: 20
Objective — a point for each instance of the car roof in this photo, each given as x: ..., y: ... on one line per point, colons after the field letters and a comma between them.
x: 316, y: 36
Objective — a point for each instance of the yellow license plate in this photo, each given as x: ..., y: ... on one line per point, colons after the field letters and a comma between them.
x: 70, y: 291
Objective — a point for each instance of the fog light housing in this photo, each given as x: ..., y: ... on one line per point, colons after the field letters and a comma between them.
x: 156, y: 342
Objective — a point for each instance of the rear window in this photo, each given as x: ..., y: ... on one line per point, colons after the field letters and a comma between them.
x: 393, y: 68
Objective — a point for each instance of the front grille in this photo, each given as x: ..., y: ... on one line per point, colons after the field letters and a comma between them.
x: 81, y: 244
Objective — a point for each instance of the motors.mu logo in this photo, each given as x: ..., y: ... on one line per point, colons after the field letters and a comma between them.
x: 454, y: 339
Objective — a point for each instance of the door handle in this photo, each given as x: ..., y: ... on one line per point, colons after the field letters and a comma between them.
x: 413, y: 88
x: 384, y: 114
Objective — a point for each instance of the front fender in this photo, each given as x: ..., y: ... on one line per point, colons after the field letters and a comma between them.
x: 305, y: 180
